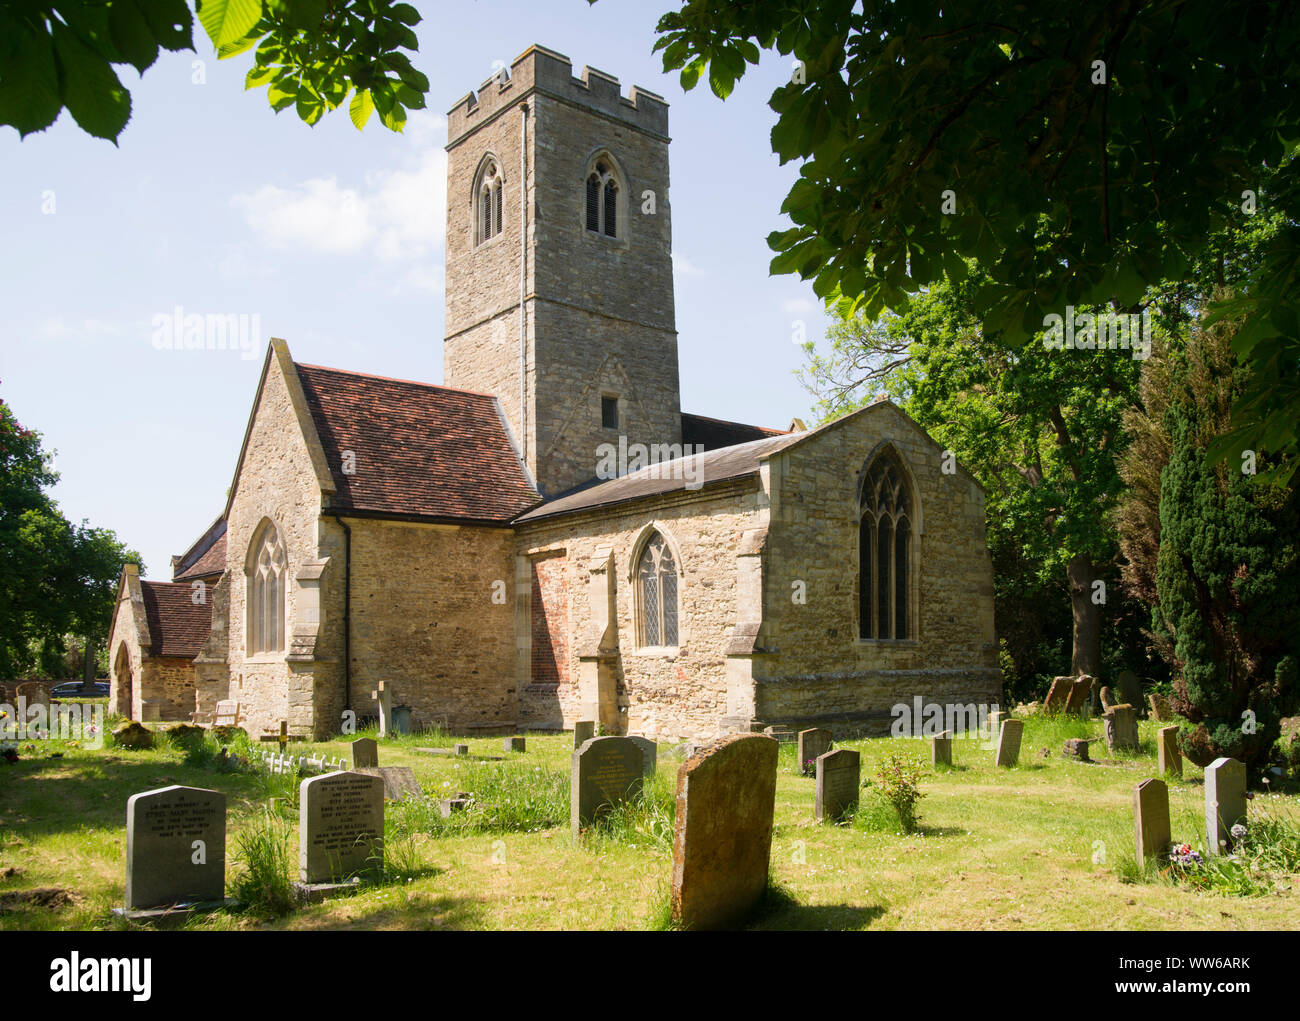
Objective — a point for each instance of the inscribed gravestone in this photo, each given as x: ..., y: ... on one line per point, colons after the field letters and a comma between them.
x: 1079, y: 692
x: 1009, y: 743
x: 175, y: 847
x: 365, y: 752
x: 583, y: 731
x: 1119, y: 724
x: 839, y: 775
x: 340, y: 826
x: 722, y: 836
x: 813, y: 743
x: 649, y: 755
x: 1151, y: 819
x: 605, y: 772
x: 1170, y: 757
x: 1130, y: 688
x: 941, y: 749
x: 1225, y: 802
x: 1058, y: 694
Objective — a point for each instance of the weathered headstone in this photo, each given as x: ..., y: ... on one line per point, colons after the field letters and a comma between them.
x: 1225, y: 802
x: 813, y: 742
x: 1160, y: 711
x: 460, y: 749
x: 399, y: 781
x: 649, y: 755
x: 941, y: 749
x: 1079, y: 692
x: 365, y: 752
x: 1107, y: 698
x: 605, y: 772
x: 839, y: 775
x: 1009, y: 743
x: 1130, y: 688
x: 1058, y: 694
x: 1120, y: 727
x: 383, y: 699
x: 340, y: 826
x: 583, y: 731
x: 516, y: 744
x: 457, y: 804
x: 1151, y: 819
x: 1170, y: 757
x: 175, y: 847
x: 723, y: 833
x: 1076, y: 748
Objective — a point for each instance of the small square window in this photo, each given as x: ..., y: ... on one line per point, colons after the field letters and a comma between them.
x: 609, y: 412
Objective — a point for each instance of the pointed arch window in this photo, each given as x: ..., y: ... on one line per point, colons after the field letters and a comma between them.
x: 487, y: 202
x: 656, y: 581
x: 602, y: 199
x: 885, y: 545
x: 266, y: 591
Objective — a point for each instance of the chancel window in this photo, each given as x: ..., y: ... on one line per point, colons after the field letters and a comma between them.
x: 487, y: 199
x: 656, y: 579
x: 602, y: 200
x: 885, y: 537
x: 266, y: 590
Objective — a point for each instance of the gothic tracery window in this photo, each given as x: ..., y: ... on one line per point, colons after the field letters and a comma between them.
x: 487, y: 202
x: 266, y: 591
x: 602, y: 199
x: 656, y: 580
x: 885, y: 537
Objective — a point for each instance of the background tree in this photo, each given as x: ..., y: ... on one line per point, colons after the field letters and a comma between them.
x: 1078, y: 152
x: 56, y: 578
x: 310, y: 54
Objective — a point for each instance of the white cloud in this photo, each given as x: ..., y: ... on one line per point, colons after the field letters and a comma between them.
x: 683, y: 266
x: 317, y: 214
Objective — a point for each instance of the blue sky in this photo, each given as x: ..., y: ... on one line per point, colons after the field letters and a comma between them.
x: 333, y: 238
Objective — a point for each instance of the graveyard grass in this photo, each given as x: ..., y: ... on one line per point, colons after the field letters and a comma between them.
x: 1047, y: 844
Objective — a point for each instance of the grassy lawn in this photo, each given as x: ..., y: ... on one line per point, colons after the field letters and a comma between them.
x: 1046, y: 845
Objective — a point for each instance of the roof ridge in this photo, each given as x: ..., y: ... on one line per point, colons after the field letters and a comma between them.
x: 732, y: 421
x: 394, y: 379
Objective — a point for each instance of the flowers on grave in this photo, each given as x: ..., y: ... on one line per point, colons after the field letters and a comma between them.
x: 1238, y: 833
x: 1183, y: 856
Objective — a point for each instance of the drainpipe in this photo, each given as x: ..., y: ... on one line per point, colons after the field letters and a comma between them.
x: 347, y: 612
x: 523, y: 279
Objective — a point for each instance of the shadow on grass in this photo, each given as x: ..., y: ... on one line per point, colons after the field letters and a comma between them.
x: 420, y: 912
x: 820, y: 918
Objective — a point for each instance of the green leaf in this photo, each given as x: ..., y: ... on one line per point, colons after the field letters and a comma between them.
x: 171, y: 22
x: 228, y: 21
x: 91, y: 89
x: 406, y: 14
x: 282, y: 92
x: 361, y: 107
x: 131, y: 34
x: 258, y: 76
x: 691, y: 74
x: 310, y: 106
x: 29, y: 91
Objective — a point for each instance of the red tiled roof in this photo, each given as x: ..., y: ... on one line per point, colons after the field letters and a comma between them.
x: 177, y: 625
x: 204, y: 562
x: 420, y: 450
x: 714, y: 433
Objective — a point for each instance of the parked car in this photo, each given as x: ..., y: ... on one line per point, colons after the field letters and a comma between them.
x: 73, y: 689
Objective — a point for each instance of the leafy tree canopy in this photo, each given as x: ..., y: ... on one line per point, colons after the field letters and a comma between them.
x: 1078, y: 152
x: 310, y: 54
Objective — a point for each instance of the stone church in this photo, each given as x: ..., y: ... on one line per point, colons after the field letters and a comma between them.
x: 478, y: 545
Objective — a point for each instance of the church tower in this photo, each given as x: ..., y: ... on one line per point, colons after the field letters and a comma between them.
x: 557, y: 211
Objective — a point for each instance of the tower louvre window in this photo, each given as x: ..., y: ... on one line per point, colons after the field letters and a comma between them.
x: 609, y: 412
x: 593, y: 202
x: 602, y: 199
x: 488, y: 201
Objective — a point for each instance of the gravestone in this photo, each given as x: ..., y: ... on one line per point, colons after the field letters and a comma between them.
x: 1130, y: 688
x: 1058, y: 694
x: 649, y: 755
x: 457, y: 804
x: 813, y: 743
x: 583, y: 731
x: 722, y: 836
x: 605, y: 772
x: 1080, y: 689
x: 365, y: 752
x: 1160, y: 711
x: 175, y: 847
x: 1151, y: 819
x: 516, y: 744
x: 399, y: 781
x: 839, y: 775
x: 460, y: 749
x: 34, y: 692
x: 1170, y: 757
x: 1009, y: 743
x: 340, y: 826
x: 1076, y: 748
x: 1120, y: 726
x: 1108, y: 699
x: 941, y: 749
x: 1225, y: 802
x: 383, y: 699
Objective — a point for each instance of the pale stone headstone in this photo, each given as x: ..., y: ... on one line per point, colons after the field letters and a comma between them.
x: 457, y: 804
x: 649, y: 755
x: 1225, y: 802
x: 1120, y: 726
x: 1009, y: 743
x: 813, y: 742
x: 1170, y: 757
x: 1079, y: 692
x: 1058, y: 694
x: 1076, y: 748
x: 365, y: 752
x: 583, y: 731
x: 839, y: 775
x: 399, y: 781
x: 1151, y: 819
x: 383, y: 699
x: 605, y: 772
x: 175, y: 847
x: 723, y: 833
x: 516, y: 744
x: 1130, y: 688
x: 340, y: 826
x: 941, y: 749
